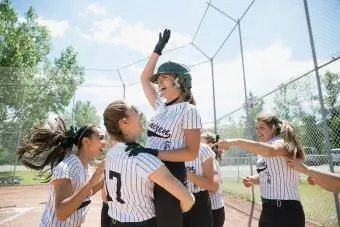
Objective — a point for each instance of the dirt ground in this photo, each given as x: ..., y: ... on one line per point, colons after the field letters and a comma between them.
x: 22, y: 206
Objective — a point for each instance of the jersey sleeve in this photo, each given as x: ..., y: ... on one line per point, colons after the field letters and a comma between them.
x: 206, y: 152
x: 146, y: 164
x: 192, y: 119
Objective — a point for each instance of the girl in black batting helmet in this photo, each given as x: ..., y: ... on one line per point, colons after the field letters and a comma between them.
x: 174, y: 132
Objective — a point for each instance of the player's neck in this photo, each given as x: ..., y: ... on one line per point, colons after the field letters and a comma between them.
x: 84, y: 158
x: 178, y: 99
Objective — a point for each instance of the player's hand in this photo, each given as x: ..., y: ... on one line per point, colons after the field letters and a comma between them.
x: 186, y: 206
x: 297, y: 164
x: 162, y: 41
x: 138, y: 150
x: 248, y: 181
x: 311, y: 180
x: 98, y: 175
x: 223, y: 145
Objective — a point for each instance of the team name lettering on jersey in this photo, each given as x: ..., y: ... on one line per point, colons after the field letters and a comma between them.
x: 158, y: 131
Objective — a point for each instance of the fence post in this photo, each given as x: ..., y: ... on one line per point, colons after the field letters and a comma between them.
x: 248, y: 118
x: 73, y: 103
x: 213, y: 91
x: 19, y: 136
x: 122, y: 81
x: 323, y: 109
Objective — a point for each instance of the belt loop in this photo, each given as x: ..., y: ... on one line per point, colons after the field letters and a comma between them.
x: 278, y: 203
x: 113, y: 221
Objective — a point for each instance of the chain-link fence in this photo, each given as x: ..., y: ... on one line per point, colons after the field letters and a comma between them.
x: 297, y: 102
x: 298, y: 79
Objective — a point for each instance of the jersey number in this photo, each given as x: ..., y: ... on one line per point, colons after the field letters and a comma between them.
x: 113, y: 174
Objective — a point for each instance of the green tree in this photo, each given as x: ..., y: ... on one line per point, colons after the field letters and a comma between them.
x: 332, y: 86
x: 311, y: 133
x: 85, y: 113
x: 143, y: 137
x: 31, y: 86
x: 255, y: 107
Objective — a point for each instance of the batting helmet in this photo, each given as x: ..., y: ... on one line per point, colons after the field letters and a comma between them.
x: 179, y: 70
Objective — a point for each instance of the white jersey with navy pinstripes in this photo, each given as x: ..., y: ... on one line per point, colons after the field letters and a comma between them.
x: 216, y: 198
x: 166, y: 128
x: 70, y: 168
x: 277, y: 180
x: 129, y: 186
x: 196, y: 166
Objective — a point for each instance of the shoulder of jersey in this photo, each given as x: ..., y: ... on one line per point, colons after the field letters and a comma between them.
x: 190, y: 106
x: 69, y: 158
x: 204, y: 146
x: 118, y: 147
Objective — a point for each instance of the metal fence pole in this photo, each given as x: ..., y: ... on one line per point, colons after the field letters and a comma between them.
x: 18, y: 140
x: 121, y: 80
x: 73, y: 103
x: 213, y: 91
x: 323, y: 109
x: 248, y: 118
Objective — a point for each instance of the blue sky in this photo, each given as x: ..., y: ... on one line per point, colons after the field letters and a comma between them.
x: 111, y: 34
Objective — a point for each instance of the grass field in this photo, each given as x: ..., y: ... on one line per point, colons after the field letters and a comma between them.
x: 318, y: 204
x: 25, y: 177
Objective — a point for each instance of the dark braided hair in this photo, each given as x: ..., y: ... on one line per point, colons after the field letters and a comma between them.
x: 211, y: 138
x: 42, y: 147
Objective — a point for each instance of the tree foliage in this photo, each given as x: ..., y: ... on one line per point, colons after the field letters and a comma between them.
x: 31, y: 85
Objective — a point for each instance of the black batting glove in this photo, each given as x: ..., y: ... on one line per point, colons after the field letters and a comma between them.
x: 162, y: 41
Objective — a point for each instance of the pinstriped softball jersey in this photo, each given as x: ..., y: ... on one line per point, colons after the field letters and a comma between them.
x: 70, y: 168
x: 277, y: 180
x: 216, y: 198
x: 166, y: 128
x: 196, y: 166
x: 128, y: 184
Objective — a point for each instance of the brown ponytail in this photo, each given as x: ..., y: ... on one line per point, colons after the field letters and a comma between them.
x: 188, y: 97
x: 114, y: 112
x: 211, y: 138
x: 291, y: 140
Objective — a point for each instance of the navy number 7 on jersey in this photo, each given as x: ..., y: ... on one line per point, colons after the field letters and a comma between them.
x: 113, y: 174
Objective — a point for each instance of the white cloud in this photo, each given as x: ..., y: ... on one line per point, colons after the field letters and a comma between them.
x: 57, y: 28
x: 82, y: 14
x: 96, y: 9
x: 266, y: 69
x: 134, y: 36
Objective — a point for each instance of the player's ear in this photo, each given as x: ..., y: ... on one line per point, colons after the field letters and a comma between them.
x: 123, y: 121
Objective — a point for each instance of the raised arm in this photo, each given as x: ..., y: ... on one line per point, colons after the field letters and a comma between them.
x: 266, y: 150
x: 328, y: 181
x: 166, y: 180
x: 149, y: 69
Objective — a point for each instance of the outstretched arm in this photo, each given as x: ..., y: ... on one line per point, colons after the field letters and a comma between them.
x: 328, y: 181
x: 266, y: 150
